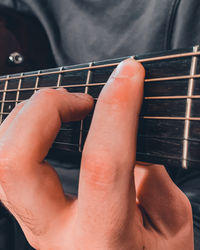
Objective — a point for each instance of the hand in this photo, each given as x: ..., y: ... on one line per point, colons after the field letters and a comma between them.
x: 121, y: 205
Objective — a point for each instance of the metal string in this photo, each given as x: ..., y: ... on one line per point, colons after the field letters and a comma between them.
x: 102, y: 83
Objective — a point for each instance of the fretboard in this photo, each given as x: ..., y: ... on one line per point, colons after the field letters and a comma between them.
x: 169, y: 126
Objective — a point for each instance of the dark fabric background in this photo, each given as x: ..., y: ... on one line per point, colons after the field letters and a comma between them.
x: 88, y: 30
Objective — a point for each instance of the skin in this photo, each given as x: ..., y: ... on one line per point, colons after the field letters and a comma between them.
x: 121, y: 205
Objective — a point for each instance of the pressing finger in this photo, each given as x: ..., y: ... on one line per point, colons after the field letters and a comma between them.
x: 106, y: 178
x: 35, y: 127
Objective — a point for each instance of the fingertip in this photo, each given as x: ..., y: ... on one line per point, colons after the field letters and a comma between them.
x: 84, y: 97
x: 79, y: 105
x: 130, y: 68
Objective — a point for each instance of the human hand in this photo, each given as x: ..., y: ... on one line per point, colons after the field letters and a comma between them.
x: 121, y: 204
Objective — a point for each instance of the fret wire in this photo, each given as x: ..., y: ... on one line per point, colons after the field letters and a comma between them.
x: 59, y: 77
x: 88, y: 79
x: 36, y: 82
x: 188, y: 109
x: 3, y: 99
x: 110, y: 65
x: 18, y: 89
x: 86, y: 91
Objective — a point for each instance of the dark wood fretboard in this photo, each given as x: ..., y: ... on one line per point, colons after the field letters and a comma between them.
x: 169, y: 127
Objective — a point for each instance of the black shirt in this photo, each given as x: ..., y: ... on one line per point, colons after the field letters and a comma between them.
x: 91, y: 30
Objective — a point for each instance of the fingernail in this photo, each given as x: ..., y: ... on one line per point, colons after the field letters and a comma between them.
x: 126, y: 68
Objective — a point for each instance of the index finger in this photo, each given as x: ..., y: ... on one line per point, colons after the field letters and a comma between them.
x: 33, y: 130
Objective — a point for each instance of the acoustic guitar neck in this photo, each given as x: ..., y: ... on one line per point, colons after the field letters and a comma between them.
x: 169, y: 124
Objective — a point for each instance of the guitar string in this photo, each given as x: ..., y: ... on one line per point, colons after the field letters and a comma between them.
x: 151, y: 59
x: 145, y: 98
x: 70, y: 129
x: 151, y: 117
x: 76, y: 131
x: 137, y: 153
x: 185, y: 77
x: 56, y: 144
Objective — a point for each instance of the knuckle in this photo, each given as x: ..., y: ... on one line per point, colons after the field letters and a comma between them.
x: 187, y: 205
x: 184, y: 216
x: 99, y: 171
x: 11, y: 166
x: 9, y: 157
x: 46, y: 97
x: 5, y: 164
x: 182, y: 209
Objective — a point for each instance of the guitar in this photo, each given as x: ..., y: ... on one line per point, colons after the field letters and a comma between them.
x: 169, y: 124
